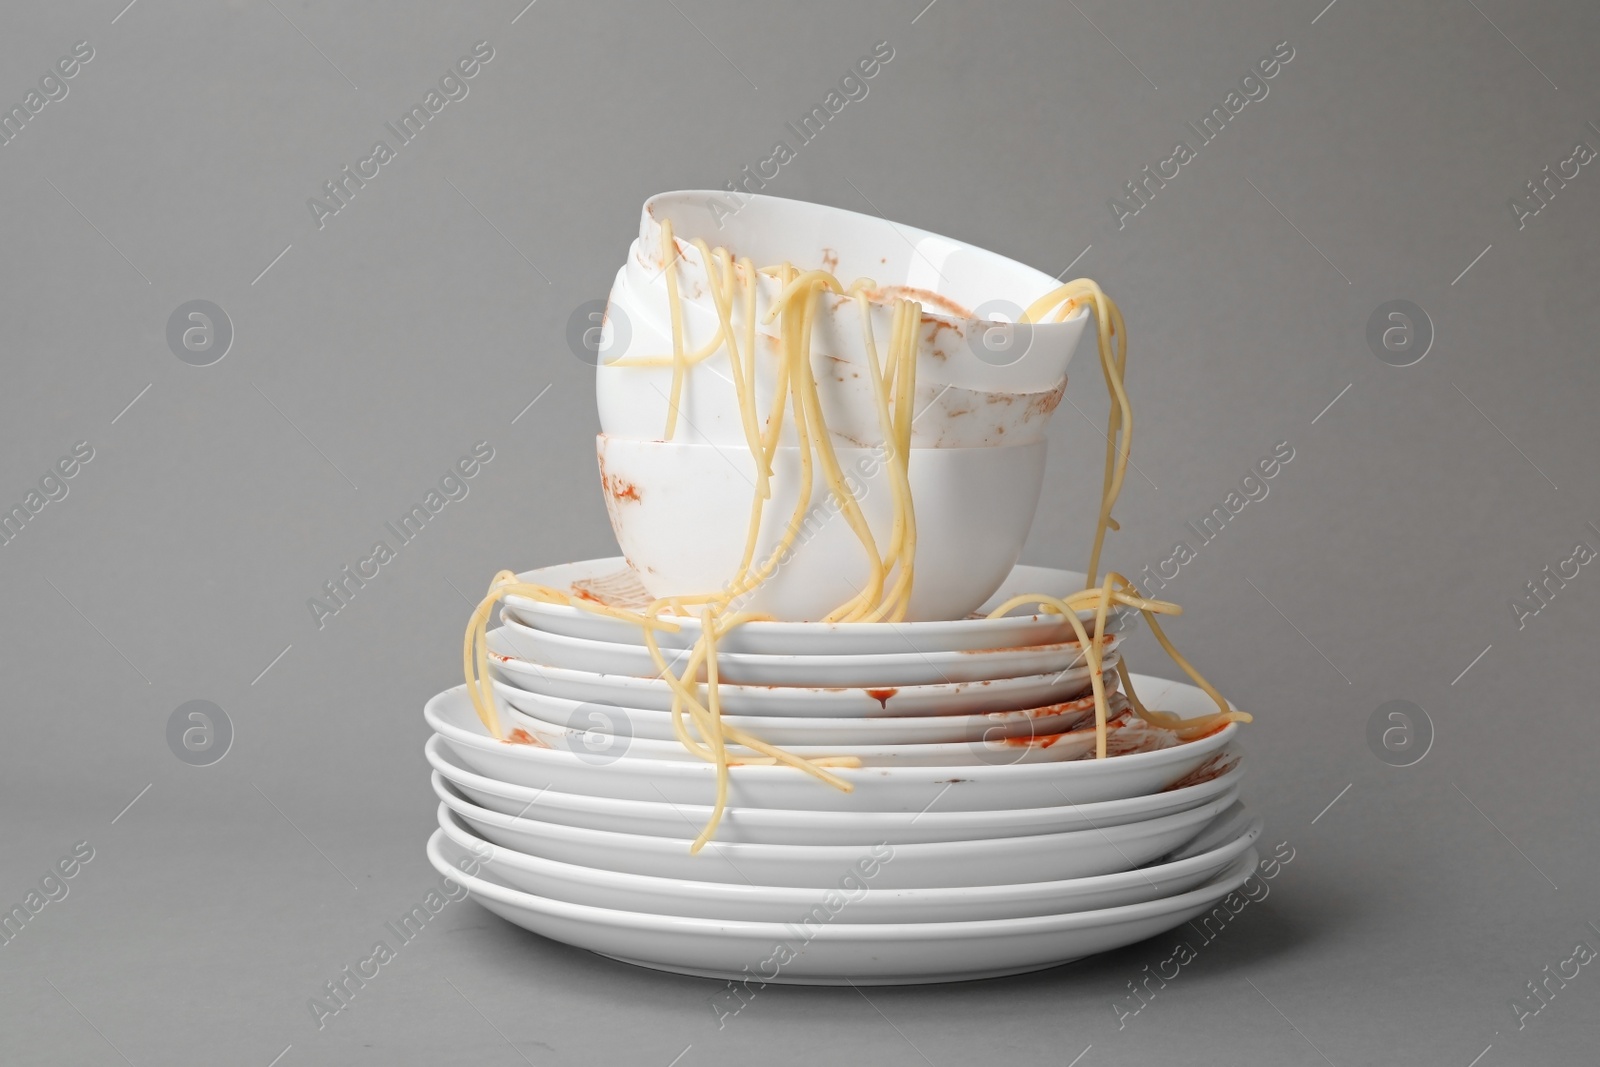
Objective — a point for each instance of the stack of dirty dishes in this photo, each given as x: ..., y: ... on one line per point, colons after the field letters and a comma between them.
x: 981, y: 810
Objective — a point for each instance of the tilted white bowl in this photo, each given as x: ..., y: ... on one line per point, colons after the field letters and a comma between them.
x: 681, y: 512
x: 1174, y: 874
x: 780, y: 826
x: 978, y: 382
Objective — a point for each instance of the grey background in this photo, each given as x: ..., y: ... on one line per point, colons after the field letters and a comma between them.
x: 425, y: 316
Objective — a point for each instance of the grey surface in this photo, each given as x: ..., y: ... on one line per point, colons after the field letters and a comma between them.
x: 379, y: 348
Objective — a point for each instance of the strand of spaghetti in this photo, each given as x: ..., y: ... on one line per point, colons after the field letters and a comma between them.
x: 903, y: 353
x: 905, y: 392
x: 1186, y: 729
x: 866, y: 598
x: 803, y: 289
x: 757, y: 445
x: 807, y: 282
x: 895, y: 469
x: 676, y: 314
x: 708, y: 630
x: 721, y: 295
x: 1112, y: 343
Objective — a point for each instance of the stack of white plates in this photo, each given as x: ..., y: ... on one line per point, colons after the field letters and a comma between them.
x: 981, y: 837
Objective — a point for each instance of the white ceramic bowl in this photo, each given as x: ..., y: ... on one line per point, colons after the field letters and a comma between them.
x: 978, y: 383
x: 609, y: 581
x: 680, y: 513
x: 796, y: 730
x: 974, y: 788
x: 776, y: 826
x: 730, y: 900
x: 923, y: 864
x: 750, y: 668
x: 941, y: 698
x: 828, y: 952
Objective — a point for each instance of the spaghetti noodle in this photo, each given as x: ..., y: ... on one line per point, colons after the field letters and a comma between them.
x: 732, y: 284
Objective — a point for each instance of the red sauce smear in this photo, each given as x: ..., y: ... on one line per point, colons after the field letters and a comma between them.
x: 519, y: 736
x: 882, y: 696
x: 621, y: 489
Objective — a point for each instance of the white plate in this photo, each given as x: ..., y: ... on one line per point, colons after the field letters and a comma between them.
x: 596, y: 739
x: 796, y: 730
x: 726, y: 900
x: 778, y: 826
x: 835, y: 953
x: 941, y: 698
x: 978, y: 788
x: 809, y: 638
x: 746, y: 668
x: 920, y: 865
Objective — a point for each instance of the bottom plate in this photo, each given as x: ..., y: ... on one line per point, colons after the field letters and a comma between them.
x: 819, y: 952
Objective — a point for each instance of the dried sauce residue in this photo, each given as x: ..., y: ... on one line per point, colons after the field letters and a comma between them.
x: 882, y: 696
x: 519, y: 736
